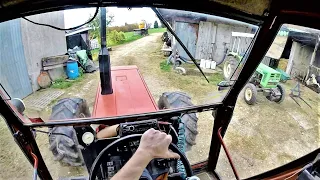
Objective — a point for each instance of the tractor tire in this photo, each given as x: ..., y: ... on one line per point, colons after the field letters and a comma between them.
x: 229, y: 67
x: 170, y: 100
x: 250, y: 94
x: 65, y: 148
x: 283, y: 93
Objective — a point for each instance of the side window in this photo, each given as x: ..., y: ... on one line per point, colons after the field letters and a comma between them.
x: 276, y: 119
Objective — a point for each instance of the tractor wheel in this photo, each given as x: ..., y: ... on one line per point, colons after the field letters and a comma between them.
x: 229, y: 66
x: 250, y: 94
x: 66, y: 148
x: 283, y: 93
x: 170, y: 100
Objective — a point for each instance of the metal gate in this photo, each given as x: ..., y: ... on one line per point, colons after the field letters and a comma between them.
x: 188, y: 33
x: 13, y: 68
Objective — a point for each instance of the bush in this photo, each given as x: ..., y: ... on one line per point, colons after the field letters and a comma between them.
x: 125, y: 28
x: 115, y: 37
x: 164, y: 66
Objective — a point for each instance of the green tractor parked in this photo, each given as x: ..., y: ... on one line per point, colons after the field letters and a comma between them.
x: 265, y: 79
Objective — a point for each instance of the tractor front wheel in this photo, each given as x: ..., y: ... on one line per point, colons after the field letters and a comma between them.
x: 170, y: 100
x: 229, y: 67
x: 283, y: 93
x: 250, y: 94
x: 63, y: 139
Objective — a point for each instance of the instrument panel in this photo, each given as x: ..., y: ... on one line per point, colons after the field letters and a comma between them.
x: 116, y: 158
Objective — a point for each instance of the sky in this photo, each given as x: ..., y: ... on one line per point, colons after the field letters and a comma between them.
x: 75, y: 17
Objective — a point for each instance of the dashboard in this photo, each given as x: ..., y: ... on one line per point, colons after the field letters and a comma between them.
x: 118, y: 155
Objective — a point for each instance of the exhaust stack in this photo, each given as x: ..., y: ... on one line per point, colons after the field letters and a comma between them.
x: 104, y: 57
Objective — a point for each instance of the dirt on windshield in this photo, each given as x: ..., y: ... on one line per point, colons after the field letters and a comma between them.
x: 257, y: 141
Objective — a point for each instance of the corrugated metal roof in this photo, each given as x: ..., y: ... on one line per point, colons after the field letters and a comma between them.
x: 78, y: 31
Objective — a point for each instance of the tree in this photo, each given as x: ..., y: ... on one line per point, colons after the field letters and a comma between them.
x: 95, y: 25
x: 155, y: 25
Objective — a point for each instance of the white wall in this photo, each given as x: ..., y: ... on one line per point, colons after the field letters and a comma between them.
x: 40, y: 41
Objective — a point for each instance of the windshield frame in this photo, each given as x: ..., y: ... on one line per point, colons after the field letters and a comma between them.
x: 224, y: 111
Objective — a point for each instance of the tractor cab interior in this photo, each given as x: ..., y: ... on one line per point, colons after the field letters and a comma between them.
x: 109, y: 71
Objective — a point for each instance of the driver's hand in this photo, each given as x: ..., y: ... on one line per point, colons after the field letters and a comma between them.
x: 155, y: 144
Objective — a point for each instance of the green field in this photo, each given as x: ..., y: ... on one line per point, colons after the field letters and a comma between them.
x: 157, y: 30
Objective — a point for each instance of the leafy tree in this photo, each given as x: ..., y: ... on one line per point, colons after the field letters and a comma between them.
x: 94, y: 33
x: 155, y: 25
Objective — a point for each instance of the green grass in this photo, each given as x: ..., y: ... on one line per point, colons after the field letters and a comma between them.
x: 157, y: 30
x: 165, y: 67
x: 215, y: 78
x: 65, y: 83
x: 95, y: 54
x: 129, y: 37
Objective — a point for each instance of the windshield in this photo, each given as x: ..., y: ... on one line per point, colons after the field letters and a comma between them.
x: 58, y: 75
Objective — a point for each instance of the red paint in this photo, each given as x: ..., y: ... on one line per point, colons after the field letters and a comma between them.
x: 228, y: 154
x: 130, y: 94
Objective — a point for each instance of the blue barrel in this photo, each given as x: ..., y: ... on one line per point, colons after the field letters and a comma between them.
x: 72, y: 69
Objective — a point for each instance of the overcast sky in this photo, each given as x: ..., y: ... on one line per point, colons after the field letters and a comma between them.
x: 121, y: 16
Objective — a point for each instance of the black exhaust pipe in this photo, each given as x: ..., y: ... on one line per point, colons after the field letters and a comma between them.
x: 104, y: 57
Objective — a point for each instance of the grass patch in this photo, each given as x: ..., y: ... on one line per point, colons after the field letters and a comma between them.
x: 215, y: 78
x: 129, y: 37
x: 157, y: 30
x: 165, y: 67
x: 66, y: 83
x: 95, y: 54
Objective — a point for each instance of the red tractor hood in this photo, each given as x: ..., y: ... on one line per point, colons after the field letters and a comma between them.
x: 130, y: 94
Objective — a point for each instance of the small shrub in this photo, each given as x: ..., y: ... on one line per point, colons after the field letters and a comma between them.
x: 165, y: 67
x: 115, y: 37
x: 61, y: 84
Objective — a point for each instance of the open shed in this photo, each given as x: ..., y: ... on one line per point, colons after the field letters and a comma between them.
x: 205, y: 36
x: 298, y: 50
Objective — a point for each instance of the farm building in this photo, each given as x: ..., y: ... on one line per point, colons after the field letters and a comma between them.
x: 296, y: 54
x: 299, y: 50
x: 205, y: 36
x: 23, y: 46
x: 78, y: 37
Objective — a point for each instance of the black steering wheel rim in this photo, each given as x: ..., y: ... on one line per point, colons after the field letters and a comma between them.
x: 97, y: 162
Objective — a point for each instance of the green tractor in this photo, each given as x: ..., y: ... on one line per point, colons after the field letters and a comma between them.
x: 265, y: 79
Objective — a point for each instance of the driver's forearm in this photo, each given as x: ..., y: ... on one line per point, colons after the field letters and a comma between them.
x: 133, y: 169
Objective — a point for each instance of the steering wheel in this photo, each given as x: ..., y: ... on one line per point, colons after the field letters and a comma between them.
x: 97, y: 162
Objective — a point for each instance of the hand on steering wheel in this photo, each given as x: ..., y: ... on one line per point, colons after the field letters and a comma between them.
x: 155, y: 144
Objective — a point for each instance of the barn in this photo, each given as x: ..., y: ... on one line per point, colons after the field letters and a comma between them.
x: 205, y: 36
x: 299, y: 50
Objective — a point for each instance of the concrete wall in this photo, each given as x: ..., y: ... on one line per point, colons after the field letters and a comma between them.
x: 299, y: 60
x: 40, y: 41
